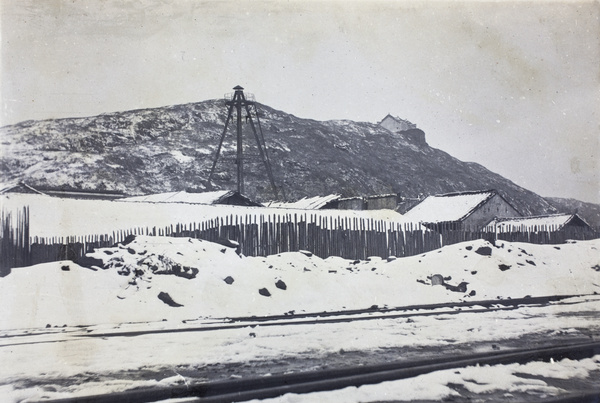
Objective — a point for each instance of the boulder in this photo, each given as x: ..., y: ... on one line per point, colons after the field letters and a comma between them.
x: 264, y: 292
x: 503, y: 267
x: 90, y: 262
x: 484, y: 251
x: 166, y: 298
x: 462, y: 287
x: 437, y: 279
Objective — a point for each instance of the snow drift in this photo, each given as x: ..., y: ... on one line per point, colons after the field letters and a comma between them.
x: 161, y: 278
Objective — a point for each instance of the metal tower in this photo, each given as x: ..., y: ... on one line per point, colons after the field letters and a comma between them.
x: 238, y: 101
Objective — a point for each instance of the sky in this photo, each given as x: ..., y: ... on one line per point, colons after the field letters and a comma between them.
x: 514, y: 86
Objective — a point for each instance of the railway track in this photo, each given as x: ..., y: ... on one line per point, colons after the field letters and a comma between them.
x: 373, y: 313
x: 326, y: 380
x: 312, y: 318
x: 490, y: 303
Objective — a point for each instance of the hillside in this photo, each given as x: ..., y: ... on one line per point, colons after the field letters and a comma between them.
x: 171, y: 148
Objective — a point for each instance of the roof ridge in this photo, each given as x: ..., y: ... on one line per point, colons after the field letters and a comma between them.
x: 466, y: 193
x: 534, y: 217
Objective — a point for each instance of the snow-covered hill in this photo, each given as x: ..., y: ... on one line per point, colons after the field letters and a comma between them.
x: 171, y: 148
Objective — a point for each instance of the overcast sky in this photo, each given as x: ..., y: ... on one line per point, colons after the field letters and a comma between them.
x: 513, y: 86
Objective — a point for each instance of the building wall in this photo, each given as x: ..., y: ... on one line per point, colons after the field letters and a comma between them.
x: 355, y: 203
x: 382, y: 202
x: 495, y: 207
x: 405, y: 204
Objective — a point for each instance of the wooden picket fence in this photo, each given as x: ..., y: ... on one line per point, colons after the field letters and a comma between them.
x: 324, y: 236
x: 262, y: 235
x: 547, y: 234
x: 14, y: 240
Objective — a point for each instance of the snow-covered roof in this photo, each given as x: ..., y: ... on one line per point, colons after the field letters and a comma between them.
x: 312, y: 203
x: 7, y: 187
x: 397, y: 119
x: 183, y: 197
x: 350, y: 198
x: 382, y: 196
x: 556, y: 221
x: 448, y: 207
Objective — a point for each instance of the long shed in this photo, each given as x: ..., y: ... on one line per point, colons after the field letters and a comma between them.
x: 216, y: 197
x: 550, y: 222
x: 470, y: 210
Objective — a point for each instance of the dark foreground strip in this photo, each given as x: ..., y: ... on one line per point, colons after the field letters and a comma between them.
x: 333, y: 317
x: 316, y: 381
x: 588, y: 396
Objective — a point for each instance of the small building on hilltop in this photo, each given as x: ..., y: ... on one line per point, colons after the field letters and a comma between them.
x: 405, y: 128
x: 396, y: 124
x: 228, y: 197
x: 468, y: 211
x: 552, y: 222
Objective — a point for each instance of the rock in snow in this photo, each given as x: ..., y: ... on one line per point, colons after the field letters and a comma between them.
x: 166, y: 298
x: 264, y: 292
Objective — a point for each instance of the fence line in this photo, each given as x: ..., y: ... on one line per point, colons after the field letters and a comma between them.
x: 262, y: 235
x: 14, y: 240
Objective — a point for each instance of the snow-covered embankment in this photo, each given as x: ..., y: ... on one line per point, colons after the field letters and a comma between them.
x: 160, y: 278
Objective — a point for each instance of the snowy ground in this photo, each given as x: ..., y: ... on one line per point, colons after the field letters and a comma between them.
x: 225, y: 284
x: 73, y: 362
x: 69, y: 319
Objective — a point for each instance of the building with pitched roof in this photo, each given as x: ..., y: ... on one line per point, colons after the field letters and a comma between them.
x: 20, y: 187
x: 309, y: 203
x: 334, y: 201
x: 396, y: 124
x: 62, y: 192
x: 350, y: 203
x: 551, y: 222
x: 381, y: 202
x: 404, y: 128
x: 216, y: 197
x: 462, y: 210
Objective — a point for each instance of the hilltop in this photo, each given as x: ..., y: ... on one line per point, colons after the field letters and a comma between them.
x: 171, y: 148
